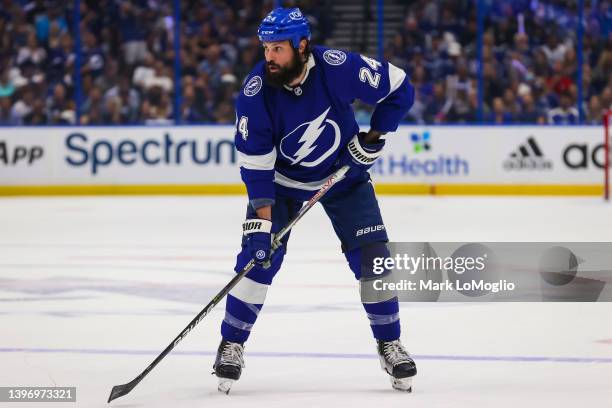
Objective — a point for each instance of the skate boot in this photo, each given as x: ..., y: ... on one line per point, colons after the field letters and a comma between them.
x: 396, y: 362
x: 228, y: 364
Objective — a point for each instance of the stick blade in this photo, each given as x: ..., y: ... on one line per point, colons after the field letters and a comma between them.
x: 121, y: 390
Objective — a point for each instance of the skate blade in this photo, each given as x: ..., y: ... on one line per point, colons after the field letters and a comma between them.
x: 225, y: 385
x: 401, y: 384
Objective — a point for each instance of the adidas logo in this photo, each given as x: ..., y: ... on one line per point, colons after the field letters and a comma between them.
x: 528, y: 156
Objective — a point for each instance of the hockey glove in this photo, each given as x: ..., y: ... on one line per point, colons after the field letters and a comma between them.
x: 360, y: 156
x: 259, y: 239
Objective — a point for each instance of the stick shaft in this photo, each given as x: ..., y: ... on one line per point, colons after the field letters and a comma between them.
x: 121, y: 390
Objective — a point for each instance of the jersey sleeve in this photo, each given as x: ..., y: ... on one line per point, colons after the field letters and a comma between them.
x: 256, y: 150
x: 381, y: 84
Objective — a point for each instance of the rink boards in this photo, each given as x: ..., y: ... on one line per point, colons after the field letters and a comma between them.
x: 202, y: 160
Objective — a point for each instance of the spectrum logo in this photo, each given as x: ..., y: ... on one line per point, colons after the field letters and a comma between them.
x: 421, y: 142
x: 98, y: 153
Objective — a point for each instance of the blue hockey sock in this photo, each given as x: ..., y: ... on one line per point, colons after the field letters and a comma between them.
x: 383, y: 316
x: 384, y: 319
x: 239, y: 319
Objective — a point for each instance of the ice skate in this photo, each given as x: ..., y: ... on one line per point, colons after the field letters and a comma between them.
x: 396, y: 362
x: 228, y: 364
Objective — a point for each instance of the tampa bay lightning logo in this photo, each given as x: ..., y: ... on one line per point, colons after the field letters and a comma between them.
x: 334, y: 57
x: 311, y: 142
x: 253, y: 86
x: 295, y: 15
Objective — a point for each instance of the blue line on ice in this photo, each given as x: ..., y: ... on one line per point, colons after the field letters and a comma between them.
x: 534, y: 359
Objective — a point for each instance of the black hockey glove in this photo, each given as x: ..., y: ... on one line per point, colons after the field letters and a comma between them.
x: 360, y: 156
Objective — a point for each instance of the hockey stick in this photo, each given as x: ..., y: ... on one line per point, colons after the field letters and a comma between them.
x: 123, y: 389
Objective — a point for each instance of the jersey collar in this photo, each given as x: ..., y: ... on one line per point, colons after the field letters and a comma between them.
x: 309, y: 65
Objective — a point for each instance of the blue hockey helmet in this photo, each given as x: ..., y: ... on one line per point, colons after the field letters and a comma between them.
x: 284, y: 24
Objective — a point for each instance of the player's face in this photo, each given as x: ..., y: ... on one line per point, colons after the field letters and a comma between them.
x: 283, y: 63
x: 278, y: 55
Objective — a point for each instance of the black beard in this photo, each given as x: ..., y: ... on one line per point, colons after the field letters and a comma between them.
x: 285, y: 75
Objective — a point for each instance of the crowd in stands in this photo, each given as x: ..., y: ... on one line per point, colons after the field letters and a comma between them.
x: 529, y: 65
x: 127, y: 60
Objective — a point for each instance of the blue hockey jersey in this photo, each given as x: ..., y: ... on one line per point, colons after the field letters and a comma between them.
x: 289, y: 139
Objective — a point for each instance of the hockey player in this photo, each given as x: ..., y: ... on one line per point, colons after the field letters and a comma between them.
x: 294, y: 127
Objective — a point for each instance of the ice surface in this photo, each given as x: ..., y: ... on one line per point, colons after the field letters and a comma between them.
x: 92, y: 289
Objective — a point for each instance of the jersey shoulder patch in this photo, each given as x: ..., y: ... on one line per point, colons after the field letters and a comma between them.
x: 254, y: 82
x: 334, y: 57
x: 253, y: 86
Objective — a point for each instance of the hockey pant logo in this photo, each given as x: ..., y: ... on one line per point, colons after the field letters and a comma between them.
x: 367, y: 230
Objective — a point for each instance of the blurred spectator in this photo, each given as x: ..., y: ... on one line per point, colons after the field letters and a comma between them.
x: 606, y: 97
x: 23, y: 105
x: 602, y: 72
x: 5, y: 110
x: 60, y: 110
x: 145, y: 72
x: 565, y: 113
x: 225, y: 113
x: 437, y: 108
x: 499, y: 114
x: 423, y: 94
x: 225, y: 100
x: 111, y: 75
x: 462, y: 110
x: 7, y: 88
x: 214, y: 65
x: 459, y: 81
x: 111, y: 113
x: 529, y: 112
x: 61, y: 58
x: 594, y: 111
x: 247, y: 59
x: 92, y: 107
x: 128, y: 100
x: 37, y: 115
x: 493, y: 85
x: 511, y: 103
x: 46, y: 23
x: 131, y: 29
x: 93, y: 56
x: 160, y: 78
x: 157, y: 107
x: 554, y: 51
x: 31, y: 52
x: 190, y: 112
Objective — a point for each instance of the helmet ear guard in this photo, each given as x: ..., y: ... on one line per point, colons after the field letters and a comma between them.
x: 284, y: 24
